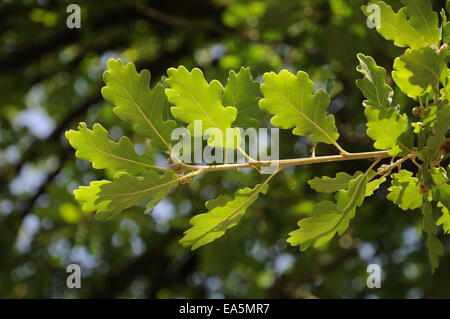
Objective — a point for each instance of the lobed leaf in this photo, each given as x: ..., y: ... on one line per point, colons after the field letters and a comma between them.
x: 406, y: 26
x: 137, y: 103
x: 390, y: 130
x: 418, y: 72
x: 127, y: 191
x: 434, y: 245
x: 423, y: 19
x: 446, y: 32
x: 379, y: 112
x: 441, y: 191
x: 405, y: 191
x: 327, y: 184
x: 330, y: 218
x: 444, y: 220
x: 373, y: 86
x: 223, y: 213
x: 374, y: 185
x: 445, y: 80
x: 197, y: 100
x: 424, y: 127
x: 95, y: 147
x: 88, y: 196
x: 242, y: 93
x: 441, y: 125
x: 290, y: 98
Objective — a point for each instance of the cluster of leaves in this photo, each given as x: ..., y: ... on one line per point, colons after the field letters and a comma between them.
x: 421, y: 73
x: 185, y: 96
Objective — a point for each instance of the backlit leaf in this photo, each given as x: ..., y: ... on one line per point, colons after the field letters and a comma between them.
x: 444, y: 220
x: 290, y: 98
x: 441, y: 125
x: 373, y: 85
x: 434, y: 245
x: 423, y: 19
x: 417, y: 72
x: 405, y: 190
x: 137, y: 103
x: 88, y: 195
x: 223, y: 213
x: 372, y: 186
x: 390, y: 130
x: 243, y: 93
x: 441, y: 191
x: 197, y: 100
x: 330, y: 218
x: 327, y: 184
x: 127, y: 191
x: 401, y: 26
x: 95, y: 146
x: 380, y: 113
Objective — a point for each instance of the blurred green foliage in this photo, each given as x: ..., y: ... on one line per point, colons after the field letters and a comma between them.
x: 50, y: 79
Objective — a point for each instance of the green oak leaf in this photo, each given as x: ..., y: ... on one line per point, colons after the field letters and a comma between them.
x: 445, y: 26
x: 127, y: 191
x: 430, y: 152
x: 330, y: 218
x: 379, y: 111
x: 446, y: 32
x: 434, y: 245
x: 88, y: 195
x: 445, y: 80
x: 197, y: 100
x: 95, y: 147
x: 372, y: 186
x: 424, y: 128
x: 423, y: 19
x: 401, y: 75
x: 290, y: 98
x: 441, y: 191
x: 327, y: 184
x: 401, y: 26
x: 373, y: 86
x: 243, y: 93
x: 418, y: 72
x: 405, y: 190
x: 137, y: 103
x: 429, y: 116
x: 444, y: 220
x: 223, y: 213
x: 397, y: 139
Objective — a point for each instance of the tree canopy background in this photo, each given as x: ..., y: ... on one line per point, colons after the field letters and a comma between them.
x: 50, y: 79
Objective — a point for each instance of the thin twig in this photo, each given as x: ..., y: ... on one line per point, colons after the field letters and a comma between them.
x: 386, y: 169
x: 288, y: 162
